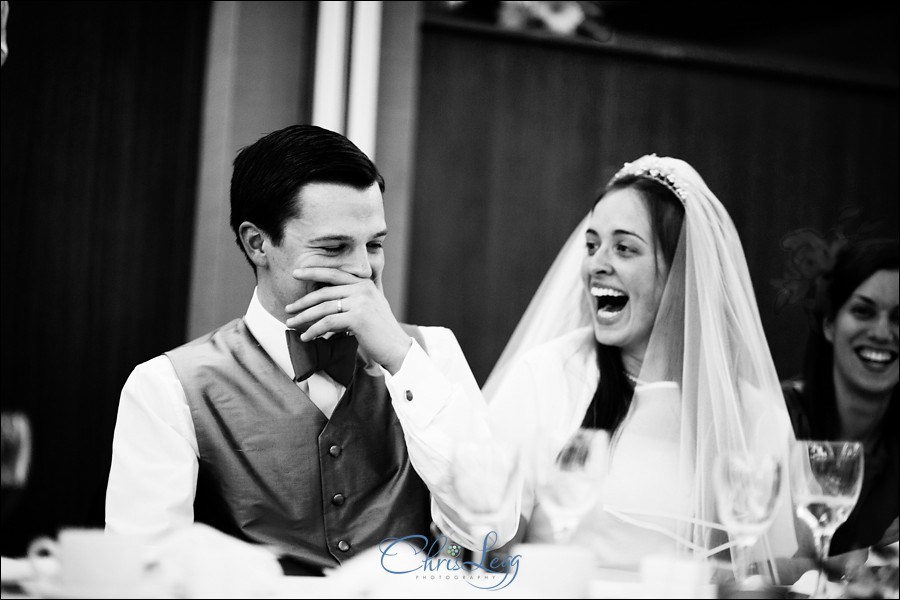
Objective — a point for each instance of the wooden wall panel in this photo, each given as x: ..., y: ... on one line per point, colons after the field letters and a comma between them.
x: 515, y: 135
x: 100, y: 114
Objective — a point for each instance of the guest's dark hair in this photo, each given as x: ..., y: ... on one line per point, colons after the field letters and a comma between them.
x: 269, y: 174
x: 854, y: 263
x: 614, y: 392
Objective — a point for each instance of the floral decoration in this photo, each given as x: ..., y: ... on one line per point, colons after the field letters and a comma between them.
x: 564, y: 17
x: 810, y: 256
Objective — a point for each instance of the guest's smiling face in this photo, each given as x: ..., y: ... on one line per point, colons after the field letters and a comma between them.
x: 864, y: 335
x: 624, y: 272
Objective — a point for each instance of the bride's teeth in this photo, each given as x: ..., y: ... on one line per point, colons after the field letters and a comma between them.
x: 603, y: 291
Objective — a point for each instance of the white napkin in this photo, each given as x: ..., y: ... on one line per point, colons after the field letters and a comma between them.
x: 202, y: 562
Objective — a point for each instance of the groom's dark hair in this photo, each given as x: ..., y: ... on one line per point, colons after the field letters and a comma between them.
x: 269, y: 173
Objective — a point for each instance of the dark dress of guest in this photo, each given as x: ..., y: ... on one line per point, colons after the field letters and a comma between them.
x: 848, y: 390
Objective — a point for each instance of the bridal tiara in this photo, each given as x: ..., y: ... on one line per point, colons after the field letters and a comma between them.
x: 653, y: 167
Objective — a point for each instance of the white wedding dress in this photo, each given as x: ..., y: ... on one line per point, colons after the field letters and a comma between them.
x: 549, y: 392
x: 712, y: 389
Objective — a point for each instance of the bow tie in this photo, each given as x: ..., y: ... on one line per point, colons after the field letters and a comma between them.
x: 335, y: 355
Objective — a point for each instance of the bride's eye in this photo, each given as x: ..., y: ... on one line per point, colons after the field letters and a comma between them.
x: 591, y: 247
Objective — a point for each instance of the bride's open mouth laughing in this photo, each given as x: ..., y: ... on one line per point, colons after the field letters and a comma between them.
x: 609, y: 303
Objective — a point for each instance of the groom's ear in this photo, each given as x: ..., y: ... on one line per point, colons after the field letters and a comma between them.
x: 255, y: 243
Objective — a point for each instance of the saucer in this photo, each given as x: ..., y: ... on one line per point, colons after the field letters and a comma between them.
x: 44, y: 588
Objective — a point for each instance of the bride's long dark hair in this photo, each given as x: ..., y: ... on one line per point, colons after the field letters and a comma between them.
x: 612, y: 398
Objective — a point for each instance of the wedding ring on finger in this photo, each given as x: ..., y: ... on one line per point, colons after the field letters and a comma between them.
x: 340, y: 305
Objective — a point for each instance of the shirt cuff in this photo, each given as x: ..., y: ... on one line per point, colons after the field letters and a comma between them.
x: 419, y: 390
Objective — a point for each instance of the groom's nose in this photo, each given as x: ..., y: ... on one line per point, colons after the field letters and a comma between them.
x: 359, y: 263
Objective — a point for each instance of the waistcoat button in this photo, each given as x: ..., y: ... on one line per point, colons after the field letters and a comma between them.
x: 337, y: 499
x: 335, y: 451
x: 343, y: 546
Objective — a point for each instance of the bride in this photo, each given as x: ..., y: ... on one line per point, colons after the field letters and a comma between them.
x: 645, y: 326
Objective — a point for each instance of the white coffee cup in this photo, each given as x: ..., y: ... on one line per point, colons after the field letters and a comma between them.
x: 669, y: 576
x: 90, y: 563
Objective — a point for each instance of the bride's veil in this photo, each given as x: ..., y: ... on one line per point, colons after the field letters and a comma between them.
x: 707, y: 337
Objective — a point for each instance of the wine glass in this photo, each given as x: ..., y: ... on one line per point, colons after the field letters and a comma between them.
x: 747, y: 488
x: 574, y: 481
x: 15, y: 452
x: 826, y: 478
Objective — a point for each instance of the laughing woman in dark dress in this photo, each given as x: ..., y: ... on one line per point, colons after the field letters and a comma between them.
x: 849, y: 386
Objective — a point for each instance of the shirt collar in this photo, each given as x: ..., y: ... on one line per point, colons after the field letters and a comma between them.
x: 269, y: 332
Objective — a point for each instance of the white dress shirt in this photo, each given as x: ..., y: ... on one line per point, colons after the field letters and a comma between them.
x: 153, y: 477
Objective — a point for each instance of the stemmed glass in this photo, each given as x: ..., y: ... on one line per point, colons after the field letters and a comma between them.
x: 574, y: 481
x: 747, y: 488
x: 826, y: 478
x: 15, y: 452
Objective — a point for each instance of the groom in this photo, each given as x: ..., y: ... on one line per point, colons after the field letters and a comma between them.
x: 316, y: 422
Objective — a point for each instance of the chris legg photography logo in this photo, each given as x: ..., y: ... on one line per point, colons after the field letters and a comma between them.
x: 442, y: 561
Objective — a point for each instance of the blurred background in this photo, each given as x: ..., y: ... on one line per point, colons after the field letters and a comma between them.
x: 494, y: 124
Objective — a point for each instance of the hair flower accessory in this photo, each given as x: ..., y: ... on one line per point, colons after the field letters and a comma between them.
x: 810, y: 258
